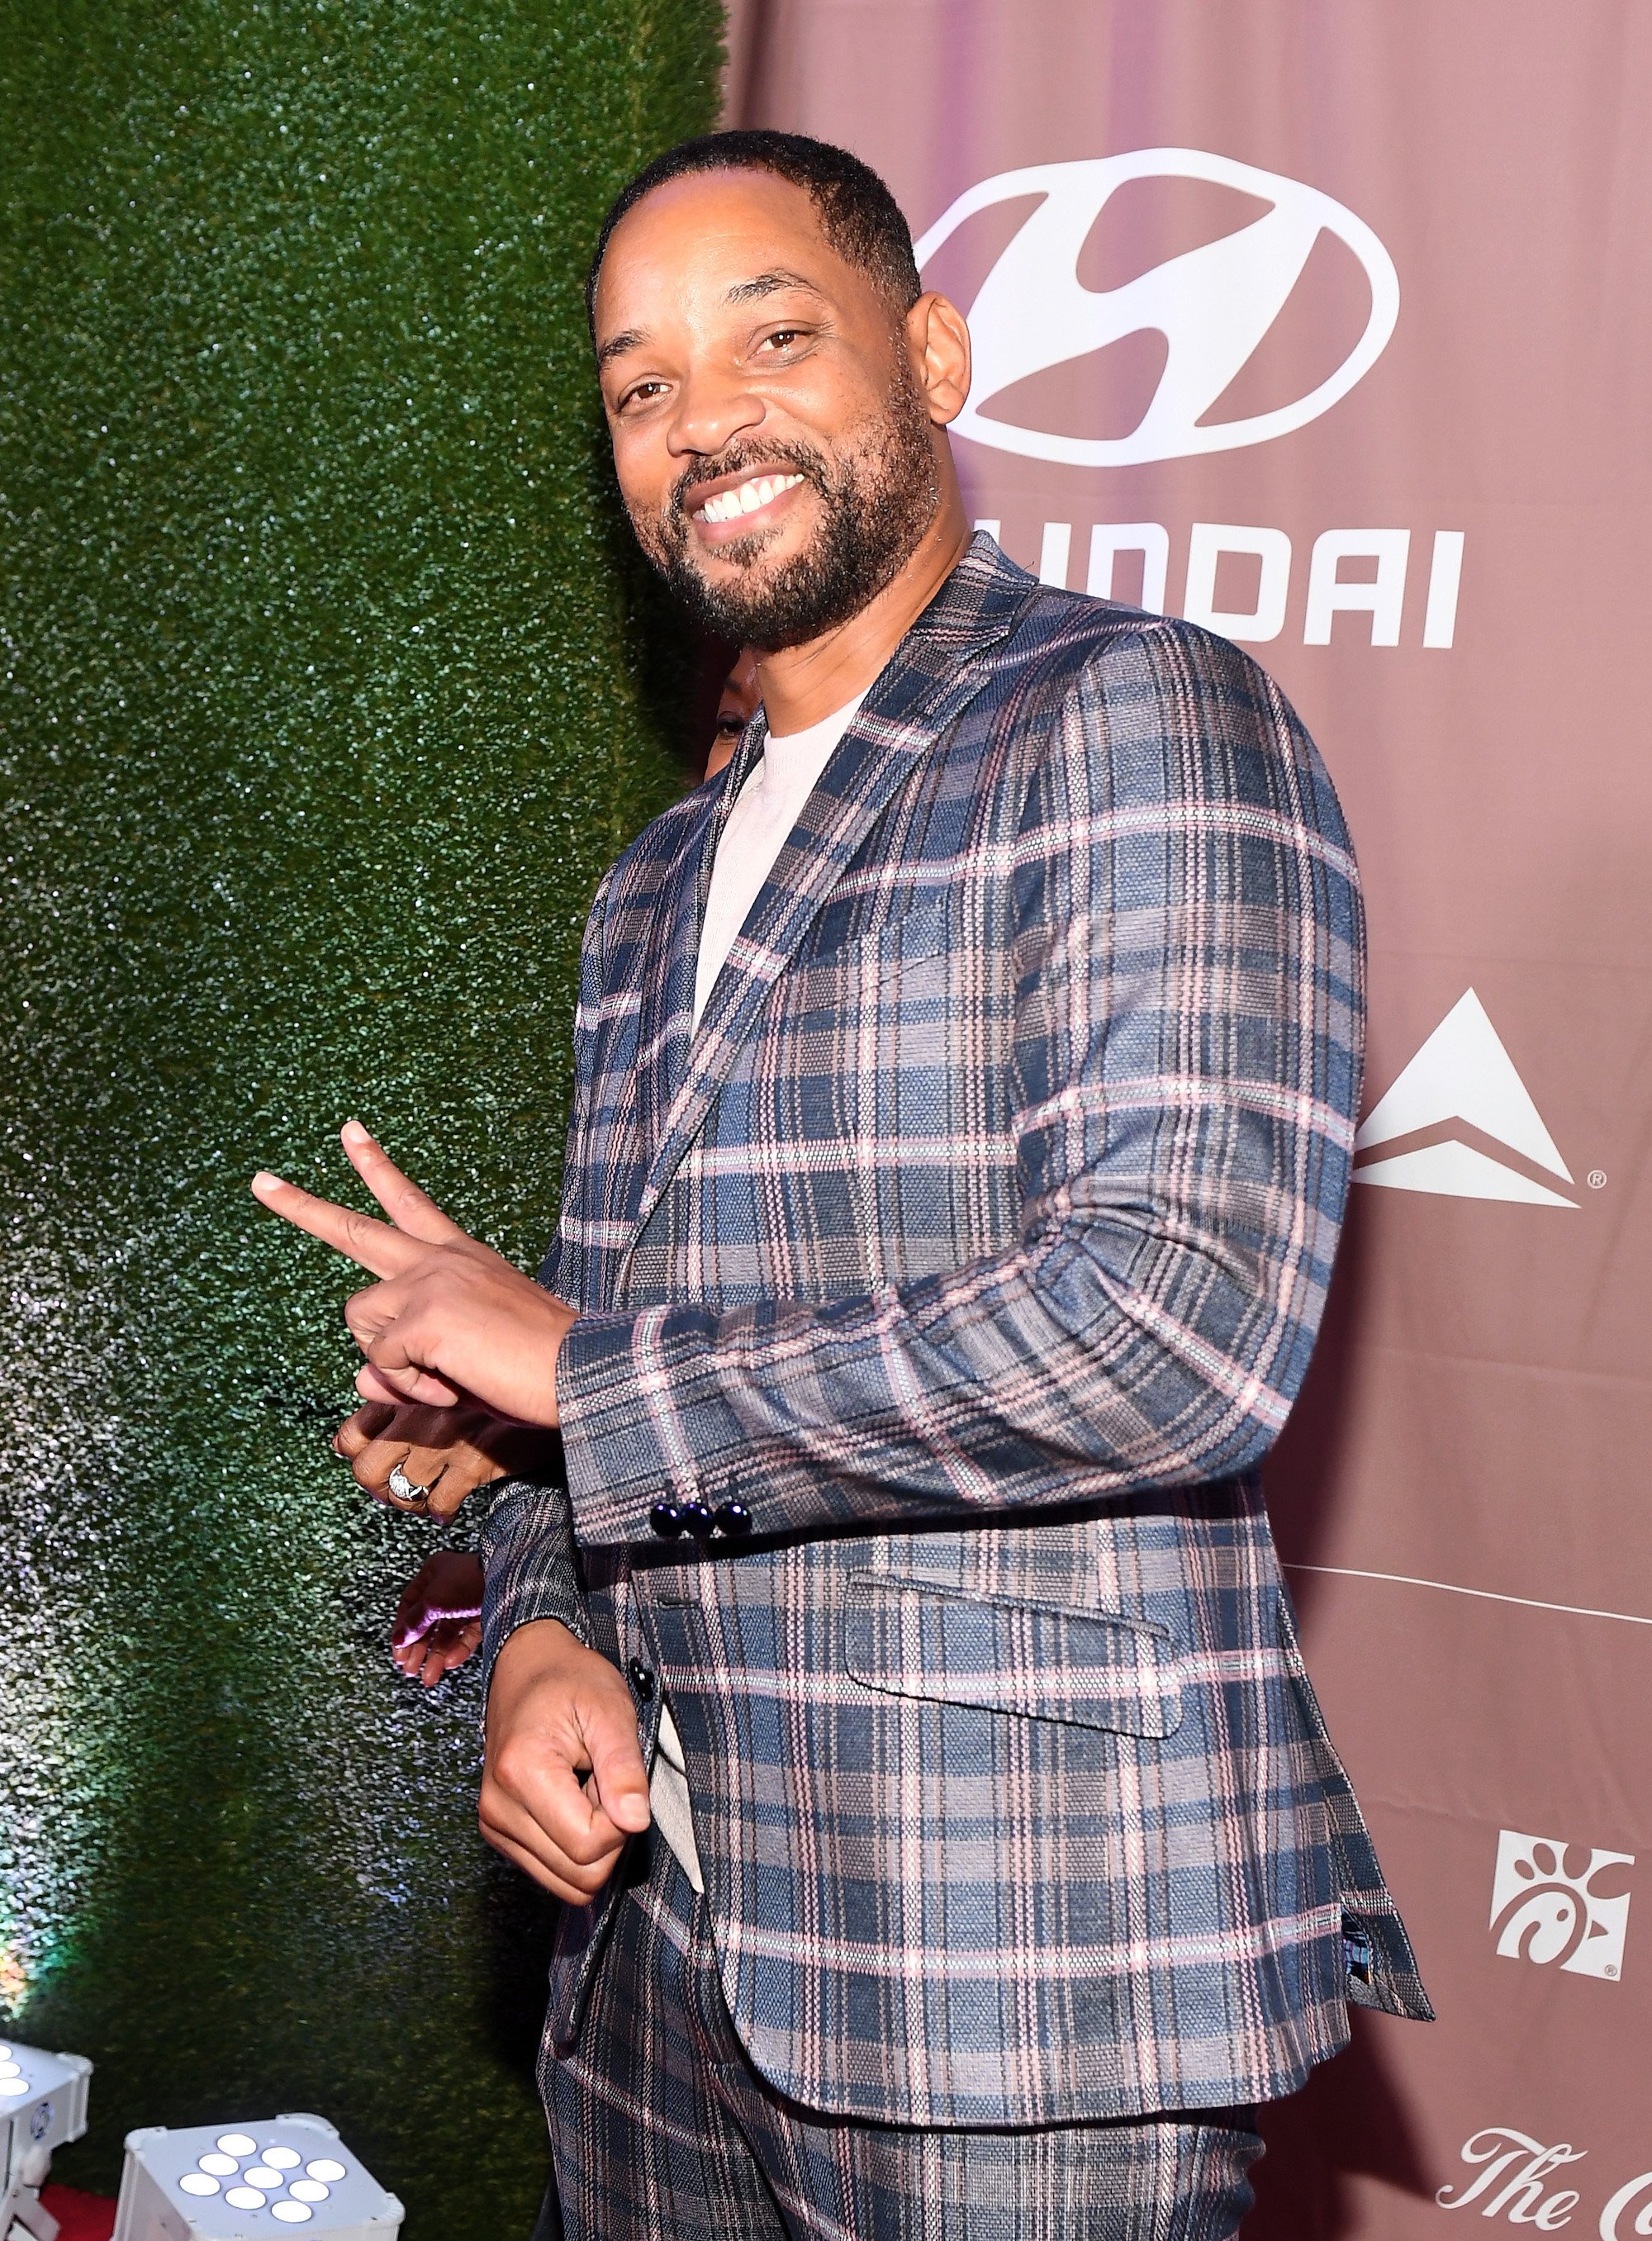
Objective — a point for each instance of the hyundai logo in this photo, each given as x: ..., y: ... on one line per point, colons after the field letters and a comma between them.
x: 1213, y: 304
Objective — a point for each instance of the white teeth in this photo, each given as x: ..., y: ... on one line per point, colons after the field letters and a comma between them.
x: 747, y: 498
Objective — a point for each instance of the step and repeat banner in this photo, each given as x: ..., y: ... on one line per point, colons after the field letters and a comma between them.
x: 1331, y: 328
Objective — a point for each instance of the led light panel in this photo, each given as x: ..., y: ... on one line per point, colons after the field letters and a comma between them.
x: 43, y: 2104
x: 235, y: 2183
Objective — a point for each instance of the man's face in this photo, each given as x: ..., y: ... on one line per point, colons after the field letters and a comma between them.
x: 775, y: 455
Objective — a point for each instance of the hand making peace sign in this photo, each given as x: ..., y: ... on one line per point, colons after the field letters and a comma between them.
x: 449, y: 1321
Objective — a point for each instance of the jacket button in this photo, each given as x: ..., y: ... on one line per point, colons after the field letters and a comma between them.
x: 699, y: 1520
x: 666, y: 1519
x: 641, y: 1679
x: 733, y: 1519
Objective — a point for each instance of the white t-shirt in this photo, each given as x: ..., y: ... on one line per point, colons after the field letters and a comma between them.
x: 759, y: 826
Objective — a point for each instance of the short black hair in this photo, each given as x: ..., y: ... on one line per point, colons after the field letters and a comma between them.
x: 858, y: 216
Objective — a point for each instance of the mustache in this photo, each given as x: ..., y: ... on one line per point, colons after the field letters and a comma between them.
x: 741, y: 459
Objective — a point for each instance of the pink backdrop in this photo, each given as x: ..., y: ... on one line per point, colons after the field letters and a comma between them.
x: 1388, y: 419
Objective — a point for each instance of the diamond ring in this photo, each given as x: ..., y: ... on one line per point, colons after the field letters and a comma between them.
x: 402, y: 1489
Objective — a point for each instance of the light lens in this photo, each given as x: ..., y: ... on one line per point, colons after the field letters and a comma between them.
x: 324, y: 2167
x: 261, y: 2175
x: 236, y: 2144
x: 281, y: 2158
x: 13, y: 2088
x: 197, y: 2183
x: 225, y: 2166
x: 244, y: 2197
x: 291, y: 2213
x: 309, y: 2190
x: 9, y: 2068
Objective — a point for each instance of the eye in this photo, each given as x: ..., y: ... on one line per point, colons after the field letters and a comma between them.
x: 644, y: 393
x: 782, y: 338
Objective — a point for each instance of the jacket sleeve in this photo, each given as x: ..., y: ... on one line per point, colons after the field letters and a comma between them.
x: 529, y: 1565
x: 1187, y: 956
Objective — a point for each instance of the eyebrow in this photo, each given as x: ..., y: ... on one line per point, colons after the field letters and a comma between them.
x: 616, y: 345
x: 768, y: 283
x: 743, y: 291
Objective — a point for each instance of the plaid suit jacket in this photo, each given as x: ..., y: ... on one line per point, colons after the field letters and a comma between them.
x: 976, y: 1243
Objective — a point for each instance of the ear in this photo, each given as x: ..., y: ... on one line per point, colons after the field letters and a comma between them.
x: 937, y: 340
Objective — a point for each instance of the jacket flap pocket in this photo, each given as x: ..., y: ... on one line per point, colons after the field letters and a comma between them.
x: 1091, y: 1668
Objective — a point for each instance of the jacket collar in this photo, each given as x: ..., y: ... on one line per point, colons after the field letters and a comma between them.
x: 931, y: 677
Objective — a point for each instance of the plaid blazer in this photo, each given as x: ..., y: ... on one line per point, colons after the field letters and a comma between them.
x: 973, y: 1250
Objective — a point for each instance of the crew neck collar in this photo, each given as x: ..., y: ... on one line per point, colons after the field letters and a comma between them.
x: 839, y: 720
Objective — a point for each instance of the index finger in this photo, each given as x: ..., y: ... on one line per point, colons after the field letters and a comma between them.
x: 371, y: 1245
x: 360, y: 1430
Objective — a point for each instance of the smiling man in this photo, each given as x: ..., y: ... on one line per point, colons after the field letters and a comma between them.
x: 965, y: 1094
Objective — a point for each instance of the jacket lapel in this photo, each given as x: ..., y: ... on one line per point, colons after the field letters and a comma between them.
x: 932, y: 676
x: 665, y: 1012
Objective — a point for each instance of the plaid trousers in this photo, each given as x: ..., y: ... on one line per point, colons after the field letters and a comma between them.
x: 663, y: 2130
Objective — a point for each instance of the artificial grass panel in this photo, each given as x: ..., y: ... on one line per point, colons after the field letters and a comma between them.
x: 330, y: 684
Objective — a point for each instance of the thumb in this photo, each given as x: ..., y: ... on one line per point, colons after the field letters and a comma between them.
x: 618, y: 1779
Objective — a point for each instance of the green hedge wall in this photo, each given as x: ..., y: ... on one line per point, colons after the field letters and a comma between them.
x: 330, y: 686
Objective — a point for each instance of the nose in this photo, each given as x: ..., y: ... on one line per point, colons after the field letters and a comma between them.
x: 712, y: 410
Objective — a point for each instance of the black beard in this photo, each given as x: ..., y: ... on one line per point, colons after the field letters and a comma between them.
x: 876, y: 504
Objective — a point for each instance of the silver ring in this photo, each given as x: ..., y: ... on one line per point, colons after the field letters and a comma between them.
x: 402, y: 1486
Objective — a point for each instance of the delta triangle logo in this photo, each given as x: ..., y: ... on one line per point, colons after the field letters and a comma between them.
x: 1462, y: 1085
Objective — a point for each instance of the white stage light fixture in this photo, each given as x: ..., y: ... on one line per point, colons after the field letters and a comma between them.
x: 43, y: 2105
x: 211, y: 2183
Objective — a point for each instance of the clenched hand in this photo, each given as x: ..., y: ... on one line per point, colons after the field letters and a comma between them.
x: 564, y: 1783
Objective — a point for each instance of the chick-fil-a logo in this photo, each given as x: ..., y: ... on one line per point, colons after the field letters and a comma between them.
x: 1513, y: 2178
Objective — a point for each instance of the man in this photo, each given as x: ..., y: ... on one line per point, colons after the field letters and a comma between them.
x: 965, y: 1095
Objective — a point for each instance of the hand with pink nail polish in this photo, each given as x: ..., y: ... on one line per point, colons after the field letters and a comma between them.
x: 438, y: 1619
